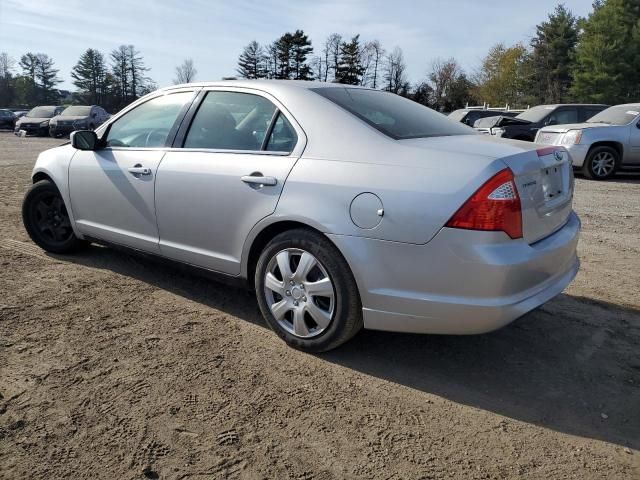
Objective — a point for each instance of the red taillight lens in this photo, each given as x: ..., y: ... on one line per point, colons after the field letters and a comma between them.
x: 495, y: 206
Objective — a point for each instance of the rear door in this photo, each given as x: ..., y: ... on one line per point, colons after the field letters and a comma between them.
x: 225, y: 173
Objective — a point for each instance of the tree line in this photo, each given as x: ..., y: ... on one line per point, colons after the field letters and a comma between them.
x: 592, y: 59
x: 111, y: 81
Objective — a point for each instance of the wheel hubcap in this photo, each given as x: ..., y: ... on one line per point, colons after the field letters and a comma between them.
x: 299, y: 293
x: 52, y: 219
x: 603, y: 164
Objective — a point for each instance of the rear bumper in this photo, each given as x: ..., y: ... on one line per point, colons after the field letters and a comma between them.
x: 461, y: 282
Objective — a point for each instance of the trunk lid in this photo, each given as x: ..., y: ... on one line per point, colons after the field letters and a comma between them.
x: 544, y: 183
x: 544, y: 179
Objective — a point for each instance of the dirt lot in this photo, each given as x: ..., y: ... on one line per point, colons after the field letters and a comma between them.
x: 118, y: 367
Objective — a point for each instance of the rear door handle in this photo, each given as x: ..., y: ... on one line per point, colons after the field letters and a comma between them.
x: 259, y: 180
x: 139, y: 170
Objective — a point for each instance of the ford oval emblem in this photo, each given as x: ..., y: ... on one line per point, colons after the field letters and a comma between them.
x: 557, y: 154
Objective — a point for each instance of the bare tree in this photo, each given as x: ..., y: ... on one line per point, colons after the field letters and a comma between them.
x: 394, y: 72
x: 331, y: 55
x: 185, y: 73
x: 372, y: 54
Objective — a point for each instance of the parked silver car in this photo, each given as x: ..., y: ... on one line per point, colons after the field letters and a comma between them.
x: 604, y: 144
x: 343, y: 206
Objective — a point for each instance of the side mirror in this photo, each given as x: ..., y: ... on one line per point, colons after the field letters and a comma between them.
x: 84, y: 140
x: 551, y: 121
x: 638, y: 125
x: 94, y: 115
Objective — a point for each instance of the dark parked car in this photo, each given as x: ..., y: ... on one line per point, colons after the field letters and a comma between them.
x: 468, y: 116
x: 77, y: 117
x: 37, y: 120
x: 525, y: 126
x: 7, y: 119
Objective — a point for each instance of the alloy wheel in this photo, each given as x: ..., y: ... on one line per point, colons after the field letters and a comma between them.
x: 51, y: 219
x: 299, y: 293
x: 603, y: 164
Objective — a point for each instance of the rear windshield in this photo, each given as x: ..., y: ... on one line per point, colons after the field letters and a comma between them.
x: 393, y: 115
x: 77, y: 111
x: 41, y: 112
x: 619, y: 115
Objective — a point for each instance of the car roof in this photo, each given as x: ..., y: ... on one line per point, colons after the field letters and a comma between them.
x: 556, y: 105
x: 295, y: 84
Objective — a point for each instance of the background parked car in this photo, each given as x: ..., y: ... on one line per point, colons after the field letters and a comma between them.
x: 469, y: 116
x: 37, y: 120
x: 20, y: 113
x: 525, y: 125
x: 7, y: 119
x: 603, y: 144
x: 77, y: 117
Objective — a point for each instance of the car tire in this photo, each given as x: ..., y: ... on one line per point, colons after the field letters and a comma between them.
x: 47, y: 221
x: 601, y: 163
x: 332, y: 313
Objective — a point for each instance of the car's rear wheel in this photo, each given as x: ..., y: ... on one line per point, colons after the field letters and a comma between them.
x: 306, y: 291
x: 601, y: 163
x: 46, y: 219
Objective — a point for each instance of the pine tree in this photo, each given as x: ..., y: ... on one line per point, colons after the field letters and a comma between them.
x: 46, y: 78
x: 251, y: 63
x: 90, y: 76
x: 552, y: 57
x: 350, y: 69
x: 300, y: 50
x: 607, y: 65
x: 28, y: 86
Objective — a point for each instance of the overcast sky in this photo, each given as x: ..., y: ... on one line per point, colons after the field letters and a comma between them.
x: 213, y: 33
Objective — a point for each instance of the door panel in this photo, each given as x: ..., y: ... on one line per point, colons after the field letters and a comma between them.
x: 204, y: 208
x: 634, y: 144
x: 111, y: 203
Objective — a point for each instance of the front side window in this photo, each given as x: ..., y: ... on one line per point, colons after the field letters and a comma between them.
x: 393, y: 115
x: 148, y: 125
x: 230, y: 121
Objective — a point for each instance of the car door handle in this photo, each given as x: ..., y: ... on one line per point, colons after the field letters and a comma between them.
x: 139, y: 170
x: 259, y: 180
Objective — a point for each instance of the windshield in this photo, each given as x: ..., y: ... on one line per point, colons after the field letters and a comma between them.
x: 77, y: 111
x: 41, y: 112
x: 393, y: 115
x: 536, y: 114
x: 457, y: 115
x: 619, y: 115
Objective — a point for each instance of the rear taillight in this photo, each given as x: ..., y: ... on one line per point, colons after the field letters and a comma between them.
x: 495, y: 207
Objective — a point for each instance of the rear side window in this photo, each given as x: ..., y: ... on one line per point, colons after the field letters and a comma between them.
x: 283, y: 137
x: 393, y: 115
x: 230, y: 121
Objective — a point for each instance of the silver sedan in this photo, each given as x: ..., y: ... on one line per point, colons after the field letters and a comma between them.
x: 343, y: 207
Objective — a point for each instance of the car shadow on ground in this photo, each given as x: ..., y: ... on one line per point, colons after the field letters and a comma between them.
x: 629, y: 176
x: 571, y: 366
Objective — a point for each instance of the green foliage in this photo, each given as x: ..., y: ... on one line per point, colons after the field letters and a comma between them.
x: 607, y: 67
x: 350, y: 68
x: 504, y: 76
x: 251, y: 63
x: 90, y: 76
x: 552, y: 57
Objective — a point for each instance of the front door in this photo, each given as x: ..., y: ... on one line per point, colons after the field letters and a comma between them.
x: 227, y: 175
x: 112, y: 189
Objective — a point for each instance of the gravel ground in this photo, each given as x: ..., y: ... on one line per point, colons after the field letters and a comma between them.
x: 113, y: 366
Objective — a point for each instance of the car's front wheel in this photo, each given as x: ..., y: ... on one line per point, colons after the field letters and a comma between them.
x: 306, y: 291
x: 601, y: 163
x: 46, y: 219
